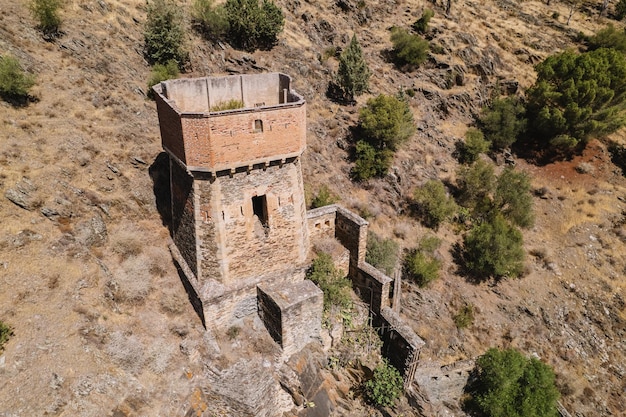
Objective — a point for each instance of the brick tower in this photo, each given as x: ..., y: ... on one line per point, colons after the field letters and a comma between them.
x: 238, y: 209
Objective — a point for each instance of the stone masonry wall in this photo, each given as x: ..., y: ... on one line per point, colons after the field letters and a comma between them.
x: 372, y: 286
x: 351, y: 231
x: 171, y: 128
x: 250, y: 249
x: 183, y: 217
x: 225, y: 140
x: 400, y: 344
x: 210, y: 240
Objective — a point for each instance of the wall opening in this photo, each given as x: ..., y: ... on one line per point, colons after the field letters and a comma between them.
x: 259, y: 207
x: 258, y: 126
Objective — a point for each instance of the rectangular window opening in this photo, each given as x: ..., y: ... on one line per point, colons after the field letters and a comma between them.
x: 258, y: 126
x: 259, y: 208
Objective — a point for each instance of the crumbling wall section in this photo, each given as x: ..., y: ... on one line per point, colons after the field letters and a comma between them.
x: 401, y: 346
x: 351, y: 231
x: 292, y: 314
x: 372, y: 286
x: 207, y: 228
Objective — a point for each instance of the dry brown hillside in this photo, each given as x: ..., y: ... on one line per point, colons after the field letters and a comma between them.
x: 101, y: 320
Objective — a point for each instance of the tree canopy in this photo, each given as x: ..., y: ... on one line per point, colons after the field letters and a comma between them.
x: 503, y: 121
x: 577, y: 96
x: 493, y: 248
x: 253, y: 25
x: 510, y: 385
x: 353, y: 73
x: 386, y: 121
x: 164, y: 33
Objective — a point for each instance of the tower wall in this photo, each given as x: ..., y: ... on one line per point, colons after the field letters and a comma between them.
x: 253, y: 244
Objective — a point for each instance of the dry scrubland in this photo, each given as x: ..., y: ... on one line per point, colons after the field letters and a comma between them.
x: 102, y: 323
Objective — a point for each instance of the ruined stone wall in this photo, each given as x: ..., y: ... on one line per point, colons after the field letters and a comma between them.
x: 372, y: 286
x: 351, y: 231
x: 223, y: 305
x: 183, y: 215
x: 250, y: 247
x: 321, y: 222
x: 401, y: 346
x: 292, y: 313
x: 230, y: 139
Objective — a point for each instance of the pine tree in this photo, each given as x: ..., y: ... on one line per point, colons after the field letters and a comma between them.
x: 353, y: 74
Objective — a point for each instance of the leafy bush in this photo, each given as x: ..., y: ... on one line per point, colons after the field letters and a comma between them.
x: 609, y: 37
x: 370, y: 162
x: 5, y: 333
x: 421, y: 264
x: 434, y: 204
x: 421, y: 24
x: 513, y: 197
x: 14, y: 82
x: 494, y: 248
x: 211, y: 19
x: 353, y: 73
x: 408, y: 49
x: 386, y: 385
x: 465, y: 317
x: 164, y: 34
x: 324, y: 197
x: 503, y: 122
x: 46, y: 12
x: 161, y: 73
x: 386, y: 121
x: 381, y: 253
x: 476, y: 184
x: 577, y: 96
x: 474, y: 145
x: 509, y: 385
x: 335, y: 287
x: 253, y: 25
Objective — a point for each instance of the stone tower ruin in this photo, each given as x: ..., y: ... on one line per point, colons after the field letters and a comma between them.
x: 240, y: 229
x: 237, y: 196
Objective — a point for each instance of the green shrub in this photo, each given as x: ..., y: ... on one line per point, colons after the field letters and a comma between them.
x: 370, y: 162
x: 161, y: 73
x: 408, y: 49
x: 386, y: 121
x: 164, y: 34
x: 577, y: 96
x: 494, y: 248
x: 421, y: 24
x: 336, y: 288
x: 324, y: 197
x: 253, y: 25
x: 509, y: 385
x: 513, y: 197
x: 420, y: 264
x: 353, y: 73
x: 46, y: 12
x: 231, y: 104
x: 465, y: 317
x: 476, y: 184
x: 609, y: 37
x: 474, y: 145
x: 503, y: 122
x: 381, y: 253
x: 434, y: 204
x: 386, y: 385
x: 211, y: 19
x: 14, y: 82
x: 5, y: 333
